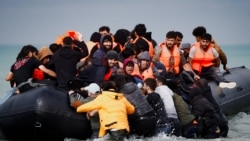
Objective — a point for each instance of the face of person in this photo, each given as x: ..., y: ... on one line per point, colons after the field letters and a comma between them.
x: 107, y: 44
x: 144, y: 64
x: 178, y: 41
x: 104, y: 32
x: 170, y: 43
x: 204, y: 44
x: 111, y: 62
x: 129, y: 69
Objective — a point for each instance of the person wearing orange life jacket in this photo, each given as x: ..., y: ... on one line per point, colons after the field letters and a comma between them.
x: 145, y: 68
x: 121, y: 38
x: 203, y: 58
x: 143, y: 39
x: 170, y: 55
x: 197, y: 32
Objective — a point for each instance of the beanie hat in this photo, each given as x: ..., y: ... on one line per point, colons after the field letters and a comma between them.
x: 126, y: 62
x: 144, y: 56
x: 44, y: 52
x: 112, y: 55
x: 93, y: 88
x: 206, y: 36
x: 185, y: 46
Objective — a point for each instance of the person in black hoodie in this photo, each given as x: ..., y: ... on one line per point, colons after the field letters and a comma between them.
x: 66, y: 58
x: 223, y: 123
x: 203, y: 109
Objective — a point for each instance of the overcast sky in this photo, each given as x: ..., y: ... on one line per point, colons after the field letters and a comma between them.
x: 39, y: 22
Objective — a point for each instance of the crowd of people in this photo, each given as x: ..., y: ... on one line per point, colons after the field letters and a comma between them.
x: 130, y: 83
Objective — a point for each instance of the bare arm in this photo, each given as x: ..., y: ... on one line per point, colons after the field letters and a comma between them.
x: 47, y: 71
x: 9, y: 76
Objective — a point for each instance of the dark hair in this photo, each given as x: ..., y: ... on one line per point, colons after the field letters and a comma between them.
x: 95, y: 37
x: 121, y: 36
x: 103, y: 28
x: 171, y: 34
x: 67, y: 41
x: 140, y: 29
x: 206, y: 36
x: 151, y: 82
x: 162, y: 80
x: 54, y: 47
x: 107, y: 85
x: 127, y: 52
x: 178, y: 34
x: 26, y: 50
x: 199, y: 30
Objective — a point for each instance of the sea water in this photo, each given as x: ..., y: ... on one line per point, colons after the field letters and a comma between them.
x: 237, y: 55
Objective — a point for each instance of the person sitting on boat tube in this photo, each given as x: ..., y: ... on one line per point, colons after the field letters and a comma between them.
x: 203, y: 58
x: 113, y: 108
x: 23, y: 69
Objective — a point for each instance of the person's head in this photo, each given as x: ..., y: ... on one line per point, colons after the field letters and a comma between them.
x: 198, y: 31
x: 67, y: 41
x: 109, y: 85
x: 93, y: 89
x: 206, y: 39
x: 27, y: 51
x: 160, y: 80
x: 140, y: 29
x: 149, y: 84
x: 128, y: 53
x: 178, y: 38
x: 112, y: 57
x: 128, y: 66
x: 185, y: 47
x: 104, y: 30
x: 106, y: 42
x: 44, y: 54
x: 95, y: 37
x: 170, y: 39
x: 54, y: 47
x: 144, y: 60
x: 121, y: 36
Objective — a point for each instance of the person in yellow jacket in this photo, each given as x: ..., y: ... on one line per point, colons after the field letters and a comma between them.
x: 113, y: 108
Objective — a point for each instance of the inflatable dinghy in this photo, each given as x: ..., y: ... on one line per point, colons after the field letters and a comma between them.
x: 43, y: 113
x: 237, y: 99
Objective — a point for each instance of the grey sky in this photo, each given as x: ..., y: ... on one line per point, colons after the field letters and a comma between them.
x: 39, y: 22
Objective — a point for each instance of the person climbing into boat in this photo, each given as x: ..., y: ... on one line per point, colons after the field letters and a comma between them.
x: 22, y: 70
x: 143, y: 121
x: 66, y: 58
x: 197, y: 33
x: 203, y: 58
x: 167, y: 96
x: 154, y: 99
x: 203, y: 109
x: 207, y: 93
x: 113, y: 109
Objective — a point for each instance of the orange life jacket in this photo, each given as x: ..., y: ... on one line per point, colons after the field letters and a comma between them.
x: 150, y: 44
x: 38, y: 74
x: 165, y: 58
x: 148, y: 73
x: 201, y: 58
x: 108, y: 74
